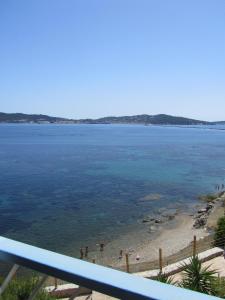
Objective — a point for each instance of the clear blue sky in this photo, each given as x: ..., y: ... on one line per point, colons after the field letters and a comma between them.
x: 93, y: 58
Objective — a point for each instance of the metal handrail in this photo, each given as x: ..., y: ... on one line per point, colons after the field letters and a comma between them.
x: 104, y: 280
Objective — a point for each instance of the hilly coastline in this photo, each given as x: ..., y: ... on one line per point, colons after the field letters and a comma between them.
x: 29, y: 118
x: 160, y: 119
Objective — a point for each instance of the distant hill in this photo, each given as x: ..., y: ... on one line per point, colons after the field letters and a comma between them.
x: 25, y: 118
x: 146, y: 119
x: 160, y: 119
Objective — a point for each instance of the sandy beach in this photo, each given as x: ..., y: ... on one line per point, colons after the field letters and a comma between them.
x: 171, y: 237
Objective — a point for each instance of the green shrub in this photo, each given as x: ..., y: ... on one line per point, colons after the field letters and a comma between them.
x: 21, y: 288
x: 219, y: 237
x: 198, y: 278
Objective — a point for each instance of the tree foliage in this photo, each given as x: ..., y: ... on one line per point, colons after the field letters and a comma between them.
x: 219, y: 238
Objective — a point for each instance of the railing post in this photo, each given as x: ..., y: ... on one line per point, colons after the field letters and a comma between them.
x: 160, y: 260
x: 127, y: 263
x: 194, y: 246
x: 56, y: 283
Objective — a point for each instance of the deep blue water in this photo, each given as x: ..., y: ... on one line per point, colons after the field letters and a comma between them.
x: 64, y: 186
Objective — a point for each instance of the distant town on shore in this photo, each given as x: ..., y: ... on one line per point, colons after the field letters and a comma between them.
x: 160, y: 119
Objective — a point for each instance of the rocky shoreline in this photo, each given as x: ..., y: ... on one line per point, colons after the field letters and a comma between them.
x: 202, y: 215
x: 155, y: 222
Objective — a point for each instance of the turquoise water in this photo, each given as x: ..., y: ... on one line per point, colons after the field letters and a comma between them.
x: 65, y: 186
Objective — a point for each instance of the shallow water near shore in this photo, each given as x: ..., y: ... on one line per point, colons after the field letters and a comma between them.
x: 67, y: 186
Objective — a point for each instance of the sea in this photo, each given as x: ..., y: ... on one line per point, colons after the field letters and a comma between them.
x: 63, y: 187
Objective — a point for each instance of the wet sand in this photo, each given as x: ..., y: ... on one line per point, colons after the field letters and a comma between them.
x: 171, y: 237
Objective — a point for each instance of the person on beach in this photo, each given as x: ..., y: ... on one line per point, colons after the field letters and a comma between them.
x: 81, y: 253
x: 86, y: 251
x: 102, y: 247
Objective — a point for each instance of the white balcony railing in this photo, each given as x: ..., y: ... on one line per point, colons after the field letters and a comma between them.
x: 104, y: 280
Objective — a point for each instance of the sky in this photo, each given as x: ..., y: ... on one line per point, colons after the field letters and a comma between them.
x: 95, y: 58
